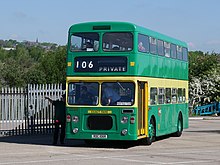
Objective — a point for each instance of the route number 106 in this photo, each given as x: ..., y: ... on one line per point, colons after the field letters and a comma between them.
x: 84, y: 64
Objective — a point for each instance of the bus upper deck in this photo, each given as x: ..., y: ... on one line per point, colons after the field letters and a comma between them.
x: 116, y: 48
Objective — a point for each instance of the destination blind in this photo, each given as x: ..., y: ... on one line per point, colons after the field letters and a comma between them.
x: 100, y: 64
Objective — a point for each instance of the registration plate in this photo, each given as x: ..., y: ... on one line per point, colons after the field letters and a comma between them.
x: 98, y: 136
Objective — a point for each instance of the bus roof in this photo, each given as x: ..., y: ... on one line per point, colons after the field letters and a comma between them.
x: 122, y: 26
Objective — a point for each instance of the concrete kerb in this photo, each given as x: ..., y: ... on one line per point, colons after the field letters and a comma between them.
x: 205, y: 118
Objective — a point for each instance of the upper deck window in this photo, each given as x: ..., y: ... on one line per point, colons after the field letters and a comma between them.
x: 185, y: 54
x: 118, y: 41
x: 160, y: 47
x: 179, y: 53
x: 167, y: 49
x: 82, y: 42
x: 153, y: 45
x: 143, y: 43
x: 173, y: 51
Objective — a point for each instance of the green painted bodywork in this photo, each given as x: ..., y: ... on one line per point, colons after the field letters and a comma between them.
x: 166, y: 121
x: 113, y: 134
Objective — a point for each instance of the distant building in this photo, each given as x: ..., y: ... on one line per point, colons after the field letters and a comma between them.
x: 8, y: 48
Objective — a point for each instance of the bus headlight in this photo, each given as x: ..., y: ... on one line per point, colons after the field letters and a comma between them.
x: 75, y: 130
x: 124, y: 119
x: 124, y: 132
x: 75, y: 119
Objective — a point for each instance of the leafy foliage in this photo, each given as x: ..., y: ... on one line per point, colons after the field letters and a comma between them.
x: 201, y: 64
x: 32, y: 65
x: 204, y: 76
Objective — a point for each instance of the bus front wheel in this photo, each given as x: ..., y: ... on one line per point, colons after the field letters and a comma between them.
x: 152, y: 132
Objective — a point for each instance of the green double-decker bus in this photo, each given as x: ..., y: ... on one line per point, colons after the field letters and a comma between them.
x: 125, y: 82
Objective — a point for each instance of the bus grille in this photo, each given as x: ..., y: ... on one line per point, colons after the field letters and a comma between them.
x: 100, y: 122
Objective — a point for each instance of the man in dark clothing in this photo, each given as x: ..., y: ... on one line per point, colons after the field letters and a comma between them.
x: 86, y: 98
x: 59, y: 118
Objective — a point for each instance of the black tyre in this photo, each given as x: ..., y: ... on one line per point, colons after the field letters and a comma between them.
x: 151, y: 133
x: 179, y: 131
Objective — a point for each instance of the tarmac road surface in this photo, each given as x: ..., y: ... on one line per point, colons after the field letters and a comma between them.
x: 199, y: 145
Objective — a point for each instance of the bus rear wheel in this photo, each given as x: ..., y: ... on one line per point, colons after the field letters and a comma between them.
x: 179, y: 131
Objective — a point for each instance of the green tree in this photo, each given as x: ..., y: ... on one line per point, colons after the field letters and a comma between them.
x: 35, y: 75
x: 16, y: 67
x: 200, y: 64
x: 42, y: 63
x: 12, y: 74
x: 36, y: 53
x: 54, y: 65
x: 204, y: 75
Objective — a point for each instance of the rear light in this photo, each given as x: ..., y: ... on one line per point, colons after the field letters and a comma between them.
x: 132, y: 120
x: 68, y: 118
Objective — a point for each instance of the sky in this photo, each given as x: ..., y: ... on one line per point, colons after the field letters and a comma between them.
x: 197, y: 22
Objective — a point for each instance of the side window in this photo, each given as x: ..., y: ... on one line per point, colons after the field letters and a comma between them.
x: 179, y: 53
x: 185, y: 54
x: 180, y: 95
x: 174, y: 95
x: 160, y: 47
x: 168, y: 95
x: 153, y: 96
x: 161, y: 95
x: 167, y: 49
x: 173, y: 51
x: 143, y: 43
x: 153, y: 45
x: 184, y: 95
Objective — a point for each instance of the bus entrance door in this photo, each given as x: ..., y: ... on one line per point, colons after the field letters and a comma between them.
x: 142, y: 108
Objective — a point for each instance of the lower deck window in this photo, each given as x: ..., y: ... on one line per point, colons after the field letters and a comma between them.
x: 174, y: 95
x: 112, y: 93
x: 153, y: 96
x: 180, y: 95
x: 83, y: 93
x: 167, y: 95
x: 117, y: 93
x: 161, y: 96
